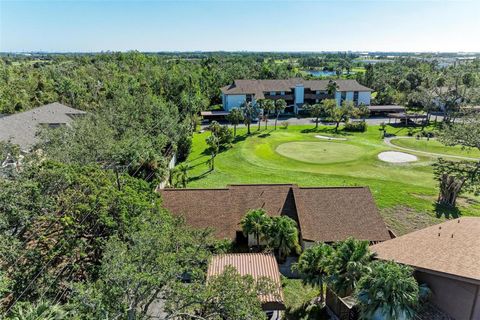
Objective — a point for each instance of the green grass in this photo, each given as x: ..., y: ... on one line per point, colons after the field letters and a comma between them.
x: 298, y: 298
x: 435, y: 147
x: 405, y: 193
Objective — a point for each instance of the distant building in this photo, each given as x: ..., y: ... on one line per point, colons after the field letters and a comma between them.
x: 22, y: 128
x: 257, y: 265
x: 296, y: 92
x: 322, y: 214
x: 447, y: 258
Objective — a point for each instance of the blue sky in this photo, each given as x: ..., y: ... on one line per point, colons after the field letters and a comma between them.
x: 239, y: 25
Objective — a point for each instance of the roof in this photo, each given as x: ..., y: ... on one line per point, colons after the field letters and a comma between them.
x: 392, y: 108
x: 257, y: 265
x: 21, y: 128
x: 451, y: 248
x: 258, y: 87
x: 334, y: 214
x: 323, y: 214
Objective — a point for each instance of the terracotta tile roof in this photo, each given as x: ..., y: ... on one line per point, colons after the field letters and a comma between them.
x: 452, y: 247
x: 334, y: 214
x: 323, y: 214
x: 258, y: 87
x: 255, y: 264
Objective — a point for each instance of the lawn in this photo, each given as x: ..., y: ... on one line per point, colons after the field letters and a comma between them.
x: 405, y: 193
x: 436, y: 147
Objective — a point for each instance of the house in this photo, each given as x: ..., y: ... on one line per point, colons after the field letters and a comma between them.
x: 22, y: 128
x: 295, y: 92
x: 447, y: 258
x: 257, y: 265
x: 323, y: 214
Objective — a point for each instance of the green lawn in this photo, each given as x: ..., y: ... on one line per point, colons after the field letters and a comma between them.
x: 405, y: 193
x: 435, y: 147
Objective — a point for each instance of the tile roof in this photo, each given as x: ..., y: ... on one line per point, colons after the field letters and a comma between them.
x: 323, y: 214
x: 255, y: 264
x: 258, y: 87
x: 452, y: 247
x: 21, y: 128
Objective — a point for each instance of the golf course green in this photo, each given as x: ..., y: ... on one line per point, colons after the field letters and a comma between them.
x: 404, y: 192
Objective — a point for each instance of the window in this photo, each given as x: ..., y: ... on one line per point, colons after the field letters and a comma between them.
x: 272, y: 93
x: 249, y: 98
x: 317, y: 92
x: 355, y: 97
x: 344, y: 95
x: 282, y: 93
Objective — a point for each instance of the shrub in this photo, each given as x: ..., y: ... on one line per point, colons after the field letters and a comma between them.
x: 359, y: 126
x: 284, y: 124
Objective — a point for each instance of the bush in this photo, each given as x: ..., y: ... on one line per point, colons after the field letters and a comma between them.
x: 360, y: 126
x: 284, y: 124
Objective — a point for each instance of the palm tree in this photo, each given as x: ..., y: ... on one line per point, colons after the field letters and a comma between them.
x: 250, y: 112
x: 268, y: 106
x: 214, y: 146
x: 255, y: 222
x: 348, y: 265
x: 41, y: 310
x: 182, y: 174
x: 214, y: 127
x: 280, y: 106
x: 388, y: 292
x: 283, y: 236
x: 235, y: 117
x: 313, y: 265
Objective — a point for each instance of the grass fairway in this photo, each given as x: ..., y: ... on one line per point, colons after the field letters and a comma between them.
x: 405, y: 193
x: 436, y: 147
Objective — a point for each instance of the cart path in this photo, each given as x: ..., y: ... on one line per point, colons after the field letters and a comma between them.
x: 389, y: 143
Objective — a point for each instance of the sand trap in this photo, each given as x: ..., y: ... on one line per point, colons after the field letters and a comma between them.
x: 396, y: 157
x: 330, y: 138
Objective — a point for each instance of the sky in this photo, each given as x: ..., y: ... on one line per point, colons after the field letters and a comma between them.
x: 230, y: 25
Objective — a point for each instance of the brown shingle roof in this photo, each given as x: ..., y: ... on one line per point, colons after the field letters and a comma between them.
x: 323, y: 214
x: 258, y: 87
x: 255, y: 264
x: 334, y: 214
x: 452, y: 247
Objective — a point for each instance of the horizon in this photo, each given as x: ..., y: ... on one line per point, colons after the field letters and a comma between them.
x: 235, y: 26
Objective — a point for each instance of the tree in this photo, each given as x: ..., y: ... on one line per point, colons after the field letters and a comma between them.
x: 280, y: 106
x: 313, y: 264
x: 459, y: 176
x: 214, y: 146
x: 388, y: 292
x: 228, y: 295
x: 332, y: 88
x: 255, y: 222
x: 214, y: 128
x: 339, y: 113
x: 156, y: 253
x: 181, y: 175
x: 268, y: 106
x: 283, y: 236
x: 250, y: 113
x: 315, y: 111
x: 235, y: 117
x: 348, y: 265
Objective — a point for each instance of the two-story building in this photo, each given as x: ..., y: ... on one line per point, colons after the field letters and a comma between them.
x: 296, y: 92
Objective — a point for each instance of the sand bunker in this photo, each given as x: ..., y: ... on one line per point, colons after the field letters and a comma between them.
x: 330, y: 138
x: 396, y: 157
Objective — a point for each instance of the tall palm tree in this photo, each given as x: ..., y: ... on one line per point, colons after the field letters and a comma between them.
x: 250, y: 112
x: 255, y: 222
x: 268, y: 107
x: 388, y: 292
x: 313, y: 265
x: 283, y: 236
x: 349, y: 263
x: 280, y: 106
x: 235, y: 117
x: 182, y: 174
